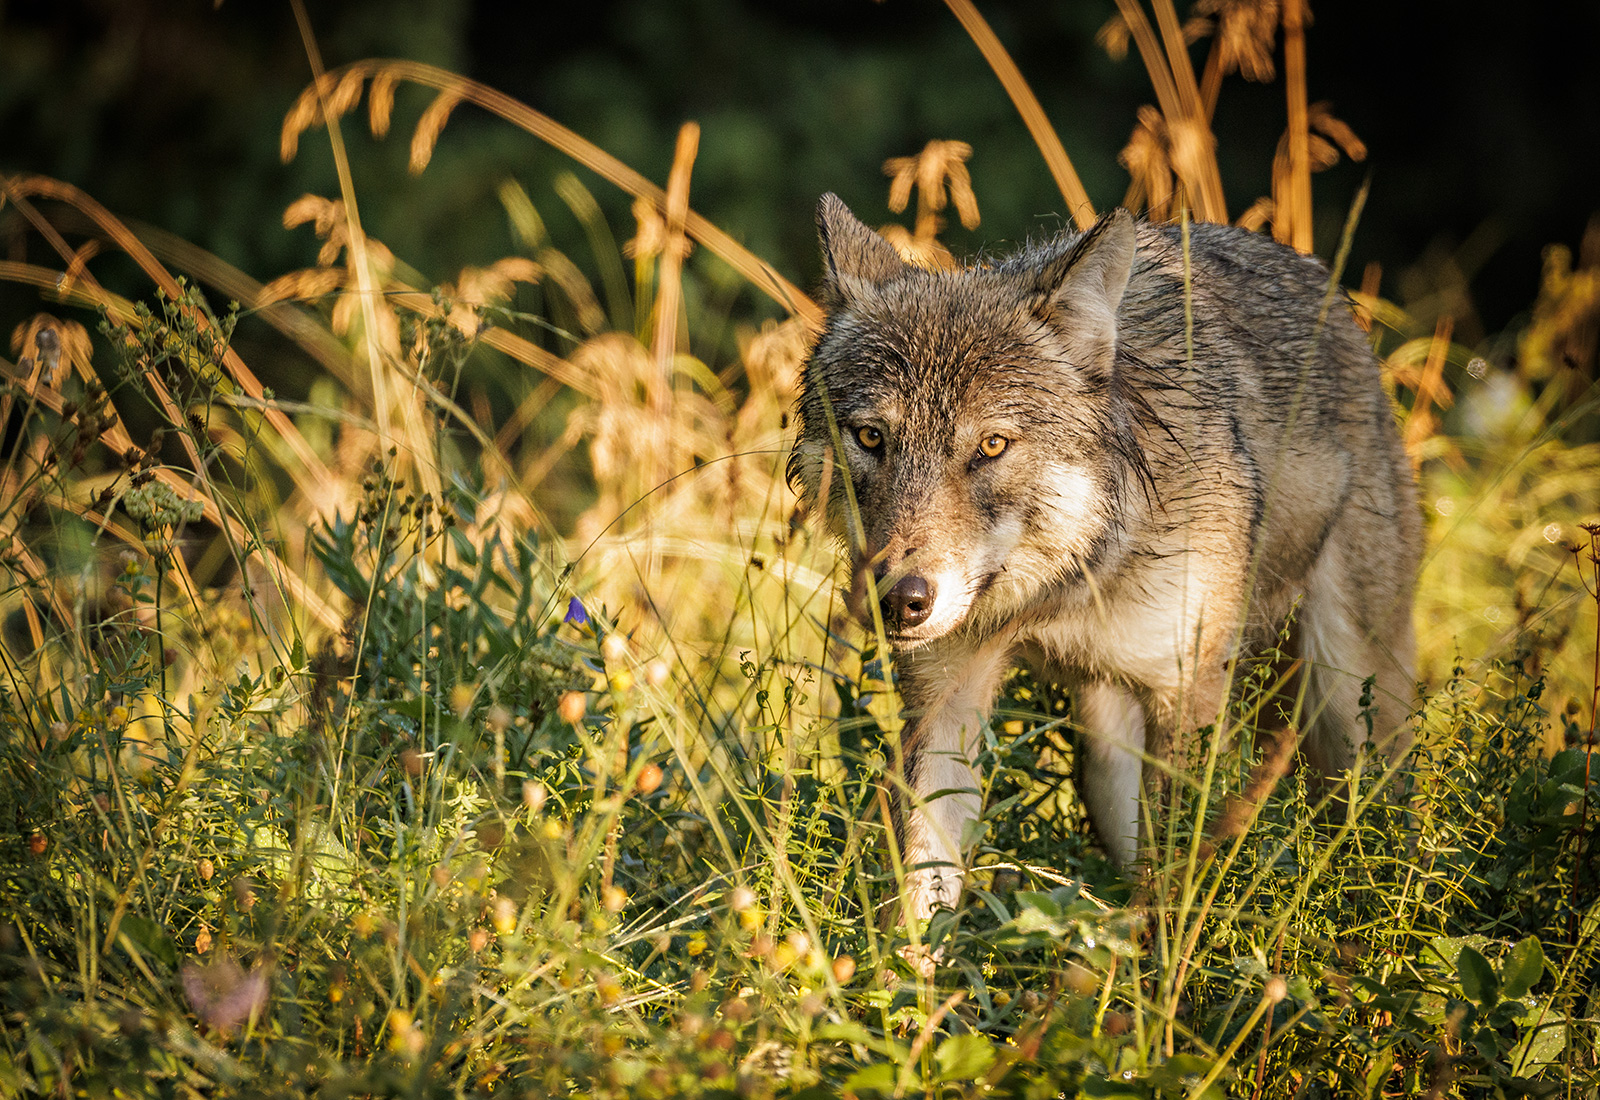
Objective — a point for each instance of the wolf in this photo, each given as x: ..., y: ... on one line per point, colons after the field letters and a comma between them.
x: 1124, y: 456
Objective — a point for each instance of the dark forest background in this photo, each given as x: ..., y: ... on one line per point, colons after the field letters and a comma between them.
x: 1483, y: 123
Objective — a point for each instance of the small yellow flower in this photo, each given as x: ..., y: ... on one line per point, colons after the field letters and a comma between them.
x: 405, y: 1037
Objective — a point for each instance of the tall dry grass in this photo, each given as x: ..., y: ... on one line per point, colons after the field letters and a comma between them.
x: 711, y: 718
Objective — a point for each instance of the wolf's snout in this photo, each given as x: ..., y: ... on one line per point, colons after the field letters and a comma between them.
x: 908, y: 603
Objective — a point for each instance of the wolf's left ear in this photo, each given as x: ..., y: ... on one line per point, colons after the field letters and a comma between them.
x: 1087, y: 281
x: 854, y: 258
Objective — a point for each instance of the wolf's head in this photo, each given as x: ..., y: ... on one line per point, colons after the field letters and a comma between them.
x: 966, y: 427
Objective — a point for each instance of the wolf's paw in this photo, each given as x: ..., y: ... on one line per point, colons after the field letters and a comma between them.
x: 922, y: 958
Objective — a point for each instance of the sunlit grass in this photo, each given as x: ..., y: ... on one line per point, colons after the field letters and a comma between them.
x: 334, y: 763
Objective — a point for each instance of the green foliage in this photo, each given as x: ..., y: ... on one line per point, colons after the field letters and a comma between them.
x: 384, y: 869
x: 483, y: 834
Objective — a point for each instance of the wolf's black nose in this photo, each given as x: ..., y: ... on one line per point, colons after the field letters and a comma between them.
x: 908, y: 603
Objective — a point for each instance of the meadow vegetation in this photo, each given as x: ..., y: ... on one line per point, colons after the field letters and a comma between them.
x: 336, y: 763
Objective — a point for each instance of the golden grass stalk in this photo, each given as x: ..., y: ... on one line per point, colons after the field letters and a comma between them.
x: 20, y: 190
x: 302, y: 328
x: 1190, y: 143
x: 1027, y: 104
x: 117, y: 440
x: 1243, y: 33
x: 670, y: 281
x: 1421, y: 424
x: 1292, y: 226
x: 429, y: 126
x: 751, y: 267
x: 397, y: 419
x: 939, y: 176
x: 1149, y: 168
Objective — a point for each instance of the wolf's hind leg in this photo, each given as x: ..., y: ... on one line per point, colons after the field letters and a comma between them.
x: 1110, y: 765
x: 1350, y: 629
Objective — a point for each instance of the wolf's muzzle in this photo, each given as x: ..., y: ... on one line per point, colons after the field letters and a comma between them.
x: 908, y: 603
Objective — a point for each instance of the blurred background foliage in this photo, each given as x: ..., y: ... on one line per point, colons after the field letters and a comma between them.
x: 1483, y: 137
x: 1477, y: 251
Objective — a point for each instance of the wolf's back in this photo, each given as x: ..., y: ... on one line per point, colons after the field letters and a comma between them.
x: 1254, y: 367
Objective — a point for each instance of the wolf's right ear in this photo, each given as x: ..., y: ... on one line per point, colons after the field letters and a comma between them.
x: 854, y: 258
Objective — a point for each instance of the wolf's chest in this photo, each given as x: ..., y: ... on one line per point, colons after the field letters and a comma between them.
x: 1142, y: 631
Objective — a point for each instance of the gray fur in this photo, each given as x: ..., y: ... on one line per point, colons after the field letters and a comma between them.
x: 1152, y: 508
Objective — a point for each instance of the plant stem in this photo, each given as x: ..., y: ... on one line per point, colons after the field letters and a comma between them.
x: 1294, y: 72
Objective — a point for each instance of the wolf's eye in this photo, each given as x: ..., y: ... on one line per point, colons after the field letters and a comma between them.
x: 869, y: 437
x: 994, y: 446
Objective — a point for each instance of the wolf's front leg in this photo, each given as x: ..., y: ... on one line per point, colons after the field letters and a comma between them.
x: 949, y: 688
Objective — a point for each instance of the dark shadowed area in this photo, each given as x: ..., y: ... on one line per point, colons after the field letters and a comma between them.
x: 1481, y: 124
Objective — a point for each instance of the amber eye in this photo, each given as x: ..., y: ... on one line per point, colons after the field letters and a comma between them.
x: 994, y: 446
x: 869, y: 437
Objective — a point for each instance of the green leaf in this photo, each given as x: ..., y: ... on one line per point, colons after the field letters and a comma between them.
x: 963, y: 1057
x: 1522, y: 967
x: 1378, y: 1073
x: 1179, y: 1073
x: 465, y: 551
x: 13, y: 1078
x: 877, y: 1078
x: 1113, y: 1088
x: 814, y: 1092
x: 846, y: 1032
x: 1478, y: 982
x: 149, y: 938
x: 973, y: 832
x: 1448, y: 948
x: 1037, y: 899
x: 1541, y: 1046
